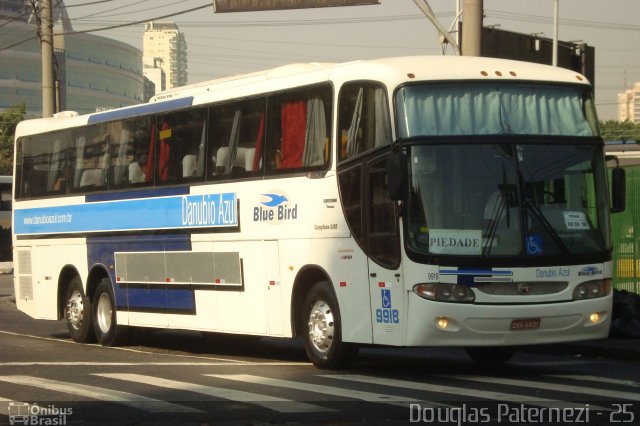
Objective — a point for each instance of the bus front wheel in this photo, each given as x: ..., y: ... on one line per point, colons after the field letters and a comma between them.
x: 322, y: 329
x: 108, y: 332
x: 77, y: 313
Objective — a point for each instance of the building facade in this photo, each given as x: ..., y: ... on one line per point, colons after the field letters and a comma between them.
x: 165, y: 47
x: 93, y: 72
x: 629, y: 104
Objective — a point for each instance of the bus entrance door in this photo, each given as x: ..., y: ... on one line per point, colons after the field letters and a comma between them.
x: 387, y: 305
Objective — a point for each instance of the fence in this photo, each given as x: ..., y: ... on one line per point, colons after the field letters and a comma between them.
x: 626, y: 237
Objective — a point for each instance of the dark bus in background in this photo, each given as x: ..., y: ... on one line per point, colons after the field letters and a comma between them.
x: 6, y: 257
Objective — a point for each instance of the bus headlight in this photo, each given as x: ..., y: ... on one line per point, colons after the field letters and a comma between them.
x: 592, y: 289
x: 442, y: 292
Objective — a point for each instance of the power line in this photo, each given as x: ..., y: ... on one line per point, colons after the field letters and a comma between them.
x: 117, y: 8
x: 208, y: 5
x: 564, y: 22
x: 89, y: 4
x: 142, y: 21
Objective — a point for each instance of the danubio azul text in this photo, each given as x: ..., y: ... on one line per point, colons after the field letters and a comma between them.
x: 208, y: 210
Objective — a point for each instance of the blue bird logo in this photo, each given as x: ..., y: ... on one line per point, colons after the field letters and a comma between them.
x: 274, y: 200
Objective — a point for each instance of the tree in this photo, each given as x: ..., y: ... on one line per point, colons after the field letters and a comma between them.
x: 620, y: 131
x: 9, y: 119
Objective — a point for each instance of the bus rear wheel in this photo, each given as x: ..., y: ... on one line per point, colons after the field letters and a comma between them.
x: 77, y: 313
x: 107, y: 330
x: 491, y: 355
x: 322, y: 329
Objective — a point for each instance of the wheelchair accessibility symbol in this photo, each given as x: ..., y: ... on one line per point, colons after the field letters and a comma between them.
x: 387, y: 315
x: 534, y: 245
x: 386, y: 298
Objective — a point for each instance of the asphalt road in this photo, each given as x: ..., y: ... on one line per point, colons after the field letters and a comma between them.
x: 168, y: 377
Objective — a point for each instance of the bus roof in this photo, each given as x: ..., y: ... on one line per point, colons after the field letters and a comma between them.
x: 390, y: 71
x: 393, y: 71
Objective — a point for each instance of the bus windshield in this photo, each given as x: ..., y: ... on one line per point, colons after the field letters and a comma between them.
x: 529, y: 181
x: 507, y: 199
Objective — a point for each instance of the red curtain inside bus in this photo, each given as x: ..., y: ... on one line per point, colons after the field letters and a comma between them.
x: 294, y: 125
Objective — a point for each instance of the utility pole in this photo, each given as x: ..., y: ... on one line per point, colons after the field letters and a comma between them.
x: 46, y: 44
x: 472, y: 12
x: 556, y: 12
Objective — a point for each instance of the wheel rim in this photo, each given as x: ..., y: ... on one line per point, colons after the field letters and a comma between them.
x: 75, y: 310
x: 321, y: 326
x: 104, y: 313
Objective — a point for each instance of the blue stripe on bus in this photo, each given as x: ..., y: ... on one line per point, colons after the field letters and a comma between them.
x: 161, y: 300
x: 463, y: 271
x: 467, y: 276
x: 100, y: 251
x: 138, y: 110
x: 154, y: 213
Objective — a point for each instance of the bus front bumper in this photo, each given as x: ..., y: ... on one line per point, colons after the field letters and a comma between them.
x: 457, y: 324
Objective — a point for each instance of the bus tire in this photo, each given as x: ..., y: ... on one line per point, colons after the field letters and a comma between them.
x: 77, y: 313
x: 322, y: 329
x: 107, y: 330
x: 491, y: 355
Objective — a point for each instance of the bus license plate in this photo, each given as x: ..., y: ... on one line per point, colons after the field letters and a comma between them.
x: 525, y: 324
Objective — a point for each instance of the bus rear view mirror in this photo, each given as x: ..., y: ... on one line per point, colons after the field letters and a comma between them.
x: 396, y: 174
x: 618, y: 190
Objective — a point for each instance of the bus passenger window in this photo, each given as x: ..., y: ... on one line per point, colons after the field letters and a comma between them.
x: 181, y: 146
x: 299, y: 129
x: 90, y: 153
x: 129, y: 150
x: 58, y: 174
x: 45, y: 163
x: 363, y: 115
x: 236, y: 138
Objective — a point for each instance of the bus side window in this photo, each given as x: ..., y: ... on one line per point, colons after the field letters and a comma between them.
x: 128, y: 151
x: 35, y: 166
x: 236, y: 140
x: 299, y: 123
x: 364, y: 121
x: 45, y: 165
x: 91, y: 151
x: 139, y: 171
x: 181, y: 146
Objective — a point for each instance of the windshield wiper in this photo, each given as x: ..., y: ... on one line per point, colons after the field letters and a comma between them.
x: 537, y: 213
x: 492, y: 227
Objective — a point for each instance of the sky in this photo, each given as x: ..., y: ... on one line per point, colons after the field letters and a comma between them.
x: 223, y: 44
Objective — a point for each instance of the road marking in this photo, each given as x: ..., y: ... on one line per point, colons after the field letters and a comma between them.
x: 51, y: 339
x: 609, y: 393
x: 323, y: 389
x: 270, y: 402
x: 595, y: 379
x: 107, y: 395
x: 225, y: 360
x: 458, y: 391
x: 126, y: 364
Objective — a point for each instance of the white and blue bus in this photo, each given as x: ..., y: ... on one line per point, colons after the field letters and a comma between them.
x: 414, y: 201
